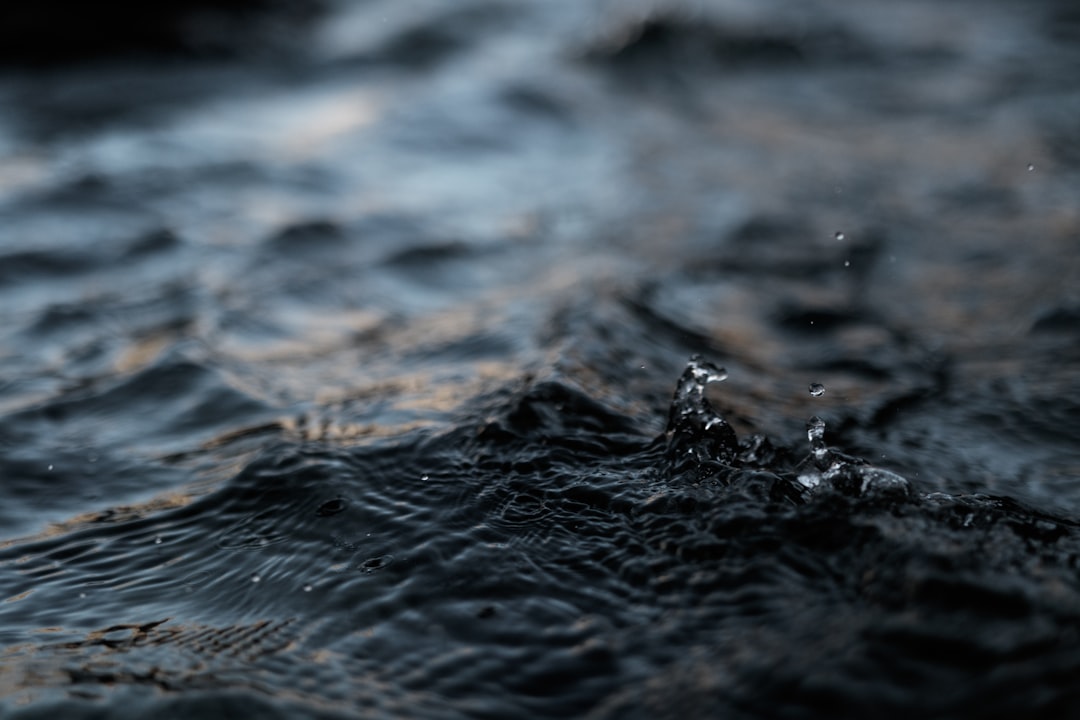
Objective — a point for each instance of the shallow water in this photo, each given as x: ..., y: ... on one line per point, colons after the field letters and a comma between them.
x: 349, y: 377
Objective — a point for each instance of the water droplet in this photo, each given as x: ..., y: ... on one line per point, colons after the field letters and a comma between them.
x: 817, y: 389
x: 50, y: 467
x: 255, y: 577
x: 839, y: 235
x: 847, y: 263
x: 1031, y: 167
x: 82, y: 595
x: 425, y: 478
x: 308, y: 587
x: 157, y: 540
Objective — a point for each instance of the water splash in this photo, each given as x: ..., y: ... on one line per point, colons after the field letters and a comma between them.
x: 815, y: 432
x: 689, y: 400
x: 702, y: 443
x: 695, y: 429
x: 847, y: 475
x: 699, y: 373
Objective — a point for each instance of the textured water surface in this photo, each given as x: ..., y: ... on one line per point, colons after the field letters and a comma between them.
x: 542, y: 359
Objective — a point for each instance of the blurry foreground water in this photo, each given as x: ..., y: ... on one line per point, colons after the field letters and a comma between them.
x: 350, y: 375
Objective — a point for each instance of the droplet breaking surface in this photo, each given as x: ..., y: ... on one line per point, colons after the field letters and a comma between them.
x: 848, y: 475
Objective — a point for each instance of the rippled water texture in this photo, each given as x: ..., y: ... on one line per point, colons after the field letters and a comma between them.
x: 541, y: 359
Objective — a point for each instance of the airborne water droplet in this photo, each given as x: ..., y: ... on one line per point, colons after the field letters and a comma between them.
x: 307, y: 588
x: 839, y: 235
x: 817, y: 389
x: 1031, y: 167
x: 255, y: 577
x: 847, y: 263
x: 50, y: 467
x: 157, y: 540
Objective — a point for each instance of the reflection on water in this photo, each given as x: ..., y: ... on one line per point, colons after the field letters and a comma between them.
x: 384, y: 309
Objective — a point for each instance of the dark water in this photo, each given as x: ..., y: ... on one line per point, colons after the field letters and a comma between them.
x: 346, y: 374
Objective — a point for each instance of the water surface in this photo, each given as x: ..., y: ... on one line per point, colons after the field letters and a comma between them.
x: 348, y: 375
